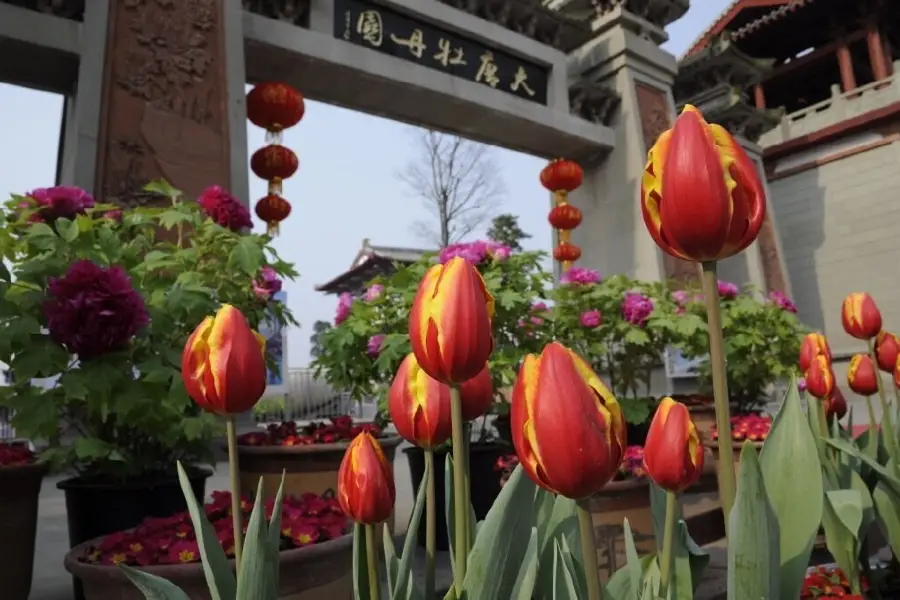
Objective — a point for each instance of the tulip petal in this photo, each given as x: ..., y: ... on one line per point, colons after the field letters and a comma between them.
x: 237, y: 366
x: 673, y: 453
x: 195, y: 373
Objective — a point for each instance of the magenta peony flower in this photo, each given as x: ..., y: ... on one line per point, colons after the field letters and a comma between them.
x: 590, y: 319
x: 62, y: 201
x: 637, y: 308
x: 94, y: 310
x: 375, y: 344
x: 113, y: 215
x: 374, y: 292
x: 266, y: 283
x: 781, y: 300
x: 475, y: 252
x: 500, y: 253
x: 728, y: 290
x: 224, y: 209
x: 801, y: 384
x: 681, y: 297
x: 580, y: 275
x: 345, y: 301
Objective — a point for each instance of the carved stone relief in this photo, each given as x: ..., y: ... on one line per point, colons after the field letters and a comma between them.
x: 594, y: 101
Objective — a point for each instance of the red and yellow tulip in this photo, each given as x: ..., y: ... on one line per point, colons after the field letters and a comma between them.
x: 813, y: 345
x: 862, y: 375
x: 860, y: 316
x: 450, y: 322
x: 567, y: 427
x: 419, y: 405
x: 887, y: 351
x: 673, y: 454
x: 366, y: 490
x: 820, y: 377
x: 223, y: 364
x: 477, y: 395
x: 835, y: 405
x: 701, y: 195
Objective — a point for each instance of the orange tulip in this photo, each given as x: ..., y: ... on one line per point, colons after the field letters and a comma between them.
x: 862, y: 375
x: 450, y: 322
x: 701, y: 195
x: 835, y: 405
x: 860, y: 316
x: 887, y: 350
x: 477, y: 395
x: 820, y: 377
x: 366, y: 482
x: 567, y: 427
x: 673, y: 454
x: 223, y: 365
x: 813, y: 344
x: 419, y: 405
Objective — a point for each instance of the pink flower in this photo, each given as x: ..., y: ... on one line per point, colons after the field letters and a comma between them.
x: 781, y: 300
x: 113, y: 215
x: 500, y: 253
x: 345, y: 302
x: 62, y: 201
x: 475, y: 252
x: 224, y: 209
x: 590, y: 319
x: 637, y: 308
x: 374, y: 292
x: 266, y: 283
x: 681, y: 297
x: 727, y: 290
x: 94, y: 310
x: 580, y: 275
x: 375, y: 344
x: 801, y: 384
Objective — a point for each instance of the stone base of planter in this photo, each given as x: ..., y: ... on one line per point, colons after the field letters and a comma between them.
x: 618, y: 501
x: 20, y: 487
x: 736, y: 458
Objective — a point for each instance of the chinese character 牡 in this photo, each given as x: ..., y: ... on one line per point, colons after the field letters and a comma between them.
x: 415, y: 43
x: 448, y: 55
x: 370, y: 27
x: 520, y: 80
x: 487, y: 72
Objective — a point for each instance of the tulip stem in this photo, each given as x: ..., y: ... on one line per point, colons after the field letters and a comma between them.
x: 589, y: 549
x: 665, y: 569
x: 467, y: 440
x: 720, y: 389
x: 234, y: 476
x: 372, y: 563
x: 460, y: 486
x: 890, y: 436
x: 430, y: 525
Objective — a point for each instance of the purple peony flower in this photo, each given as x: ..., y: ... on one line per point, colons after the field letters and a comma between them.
x: 374, y: 292
x: 62, y: 201
x: 801, y: 384
x: 728, y: 290
x: 224, y: 209
x: 580, y: 275
x: 590, y: 319
x: 345, y: 302
x: 636, y: 308
x: 475, y: 252
x: 681, y: 297
x: 266, y: 283
x: 781, y: 300
x: 375, y: 344
x: 94, y: 310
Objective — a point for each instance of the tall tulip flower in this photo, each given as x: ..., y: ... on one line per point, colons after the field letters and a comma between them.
x: 862, y: 376
x: 887, y: 350
x: 673, y: 454
x: 450, y: 322
x: 365, y: 488
x: 860, y: 316
x: 820, y: 377
x: 835, y: 405
x: 419, y: 405
x: 813, y: 344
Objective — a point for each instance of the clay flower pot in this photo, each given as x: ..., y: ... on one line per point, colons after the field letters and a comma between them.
x: 315, y: 572
x: 20, y: 487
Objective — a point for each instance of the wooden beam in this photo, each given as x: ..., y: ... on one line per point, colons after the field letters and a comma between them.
x: 876, y: 52
x: 845, y: 64
x: 727, y: 17
x: 818, y: 53
x: 759, y: 96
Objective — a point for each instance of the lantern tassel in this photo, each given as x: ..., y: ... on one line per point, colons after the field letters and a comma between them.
x: 566, y: 265
x: 565, y: 236
x: 560, y: 197
x: 272, y: 228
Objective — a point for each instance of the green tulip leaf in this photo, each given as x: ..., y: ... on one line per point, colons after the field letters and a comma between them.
x: 556, y: 518
x: 251, y: 583
x: 884, y: 474
x: 753, y: 561
x: 360, y: 571
x: 689, y: 560
x: 797, y: 517
x: 887, y: 507
x: 841, y: 542
x: 273, y: 542
x: 848, y: 508
x: 153, y: 587
x: 450, y: 508
x: 392, y: 563
x: 527, y: 577
x: 564, y: 587
x: 405, y: 587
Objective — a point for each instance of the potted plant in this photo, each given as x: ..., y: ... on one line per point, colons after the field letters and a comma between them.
x: 20, y: 487
x: 95, y: 311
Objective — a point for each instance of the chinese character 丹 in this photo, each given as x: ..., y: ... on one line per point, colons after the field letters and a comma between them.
x: 487, y: 72
x: 448, y: 55
x: 520, y: 80
x: 369, y: 26
x: 415, y: 43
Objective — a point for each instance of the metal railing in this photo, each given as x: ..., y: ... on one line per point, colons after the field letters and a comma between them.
x: 7, y: 431
x: 308, y: 398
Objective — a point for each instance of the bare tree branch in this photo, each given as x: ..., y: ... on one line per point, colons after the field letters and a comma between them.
x: 458, y: 182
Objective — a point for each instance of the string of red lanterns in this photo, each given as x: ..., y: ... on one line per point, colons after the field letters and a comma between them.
x: 274, y: 107
x: 562, y: 176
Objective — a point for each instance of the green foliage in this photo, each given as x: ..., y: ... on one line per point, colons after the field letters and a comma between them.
x: 505, y: 230
x: 128, y: 410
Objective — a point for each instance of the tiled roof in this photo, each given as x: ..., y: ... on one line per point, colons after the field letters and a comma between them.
x: 775, y: 15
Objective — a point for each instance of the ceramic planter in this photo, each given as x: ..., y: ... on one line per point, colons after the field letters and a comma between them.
x: 20, y: 487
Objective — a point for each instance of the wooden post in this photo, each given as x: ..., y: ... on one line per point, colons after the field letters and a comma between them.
x: 759, y: 96
x: 876, y: 52
x: 845, y: 63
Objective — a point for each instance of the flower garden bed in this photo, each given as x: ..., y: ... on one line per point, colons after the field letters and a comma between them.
x: 20, y: 487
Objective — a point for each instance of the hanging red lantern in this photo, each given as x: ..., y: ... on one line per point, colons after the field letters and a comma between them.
x: 566, y: 252
x: 562, y: 175
x: 275, y: 106
x: 565, y: 217
x: 273, y: 209
x: 274, y: 163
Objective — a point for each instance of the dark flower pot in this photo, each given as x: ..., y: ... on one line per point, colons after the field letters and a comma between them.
x: 485, y: 483
x: 504, y: 429
x: 20, y: 487
x: 636, y: 433
x: 95, y: 509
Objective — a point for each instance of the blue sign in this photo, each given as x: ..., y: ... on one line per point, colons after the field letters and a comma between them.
x: 276, y: 350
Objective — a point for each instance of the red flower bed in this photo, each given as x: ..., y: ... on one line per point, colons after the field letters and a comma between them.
x: 306, y: 520
x: 15, y: 454
x: 825, y: 583
x: 632, y: 465
x: 748, y: 427
x: 340, y: 429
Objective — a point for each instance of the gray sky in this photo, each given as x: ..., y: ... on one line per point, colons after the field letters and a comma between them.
x: 346, y: 188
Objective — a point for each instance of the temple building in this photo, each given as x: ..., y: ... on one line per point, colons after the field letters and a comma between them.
x: 370, y: 262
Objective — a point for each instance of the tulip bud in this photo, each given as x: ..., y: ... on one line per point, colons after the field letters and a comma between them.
x: 813, y: 344
x: 366, y: 482
x: 477, y: 395
x: 887, y: 350
x: 820, y: 377
x: 835, y: 405
x: 862, y: 375
x: 701, y: 195
x: 673, y: 454
x: 223, y: 365
x: 450, y: 322
x: 860, y: 316
x: 567, y: 427
x: 419, y: 406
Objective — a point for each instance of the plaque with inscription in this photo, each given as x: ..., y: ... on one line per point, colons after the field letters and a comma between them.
x: 389, y: 31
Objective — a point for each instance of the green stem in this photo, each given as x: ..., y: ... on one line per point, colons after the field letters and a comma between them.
x: 467, y: 457
x: 589, y: 549
x: 887, y: 421
x: 665, y: 568
x: 430, y: 525
x: 234, y: 476
x: 720, y: 389
x: 372, y: 563
x: 460, y: 501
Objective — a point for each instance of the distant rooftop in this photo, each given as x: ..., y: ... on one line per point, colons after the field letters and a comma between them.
x: 370, y: 262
